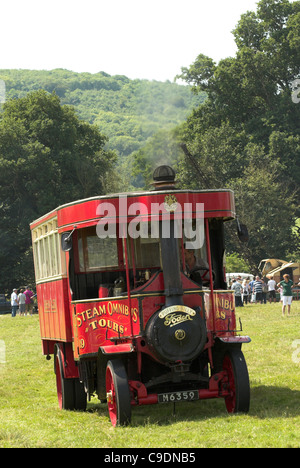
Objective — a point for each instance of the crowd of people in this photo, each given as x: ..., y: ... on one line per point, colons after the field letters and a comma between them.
x: 22, y: 302
x: 245, y: 292
x: 260, y: 290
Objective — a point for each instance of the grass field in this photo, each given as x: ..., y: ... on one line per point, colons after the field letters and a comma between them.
x: 30, y: 416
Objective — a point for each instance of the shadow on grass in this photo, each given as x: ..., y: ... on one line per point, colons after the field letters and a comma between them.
x: 267, y: 402
x: 271, y: 401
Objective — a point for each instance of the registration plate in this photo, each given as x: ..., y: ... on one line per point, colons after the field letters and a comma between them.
x: 173, y: 397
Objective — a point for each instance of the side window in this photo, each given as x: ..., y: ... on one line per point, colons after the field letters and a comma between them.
x: 95, y: 253
x: 48, y: 262
x: 195, y: 247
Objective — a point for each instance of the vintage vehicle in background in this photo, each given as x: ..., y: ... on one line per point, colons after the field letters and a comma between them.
x: 241, y: 276
x: 5, y: 307
x: 273, y: 267
x: 124, y: 314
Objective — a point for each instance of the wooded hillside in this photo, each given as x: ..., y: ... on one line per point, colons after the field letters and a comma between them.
x: 76, y: 142
x: 127, y: 111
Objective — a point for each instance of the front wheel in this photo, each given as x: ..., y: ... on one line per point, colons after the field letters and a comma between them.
x: 238, y: 382
x: 118, y: 393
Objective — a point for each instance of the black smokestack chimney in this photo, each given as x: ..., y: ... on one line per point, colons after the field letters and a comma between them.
x: 164, y: 179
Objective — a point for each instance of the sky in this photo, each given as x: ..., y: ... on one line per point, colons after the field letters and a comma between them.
x: 137, y: 38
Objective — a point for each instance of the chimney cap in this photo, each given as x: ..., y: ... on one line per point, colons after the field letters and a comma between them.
x: 164, y: 178
x: 164, y: 174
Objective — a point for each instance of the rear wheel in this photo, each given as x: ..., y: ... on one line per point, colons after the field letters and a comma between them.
x: 70, y: 392
x: 238, y: 381
x: 118, y: 393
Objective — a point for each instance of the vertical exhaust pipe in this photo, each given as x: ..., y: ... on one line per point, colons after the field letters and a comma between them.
x: 176, y: 336
x: 164, y: 179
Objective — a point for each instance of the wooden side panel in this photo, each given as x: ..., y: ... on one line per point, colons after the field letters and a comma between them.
x: 54, y: 311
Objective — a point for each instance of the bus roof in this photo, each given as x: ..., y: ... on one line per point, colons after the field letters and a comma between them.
x: 216, y: 204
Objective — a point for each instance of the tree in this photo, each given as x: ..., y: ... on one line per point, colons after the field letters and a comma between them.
x: 219, y: 154
x: 253, y: 90
x: 235, y: 264
x: 246, y: 135
x: 268, y: 209
x: 47, y: 157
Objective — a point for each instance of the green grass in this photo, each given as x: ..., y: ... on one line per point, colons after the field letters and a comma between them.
x: 30, y: 416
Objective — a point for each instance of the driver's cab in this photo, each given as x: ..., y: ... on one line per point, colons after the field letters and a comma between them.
x: 98, y: 265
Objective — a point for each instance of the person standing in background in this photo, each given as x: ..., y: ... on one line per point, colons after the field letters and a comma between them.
x: 258, y: 290
x: 264, y: 291
x: 14, y: 302
x: 287, y: 294
x: 271, y: 288
x: 22, y: 300
x: 28, y: 301
x: 251, y: 291
x: 238, y: 289
x: 246, y: 290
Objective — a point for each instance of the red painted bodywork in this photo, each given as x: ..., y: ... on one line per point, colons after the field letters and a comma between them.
x: 96, y: 323
x: 54, y: 297
x: 54, y: 314
x: 217, y: 204
x: 115, y: 325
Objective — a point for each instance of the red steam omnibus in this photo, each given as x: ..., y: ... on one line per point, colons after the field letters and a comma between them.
x: 133, y: 301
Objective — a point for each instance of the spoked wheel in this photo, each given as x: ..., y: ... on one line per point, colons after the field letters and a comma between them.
x: 238, y: 379
x: 118, y: 393
x: 70, y: 392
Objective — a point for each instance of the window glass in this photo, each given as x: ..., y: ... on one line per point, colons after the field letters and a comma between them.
x: 95, y: 253
x: 194, y: 256
x: 145, y: 247
x: 146, y: 253
x: 36, y: 259
x: 47, y: 254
